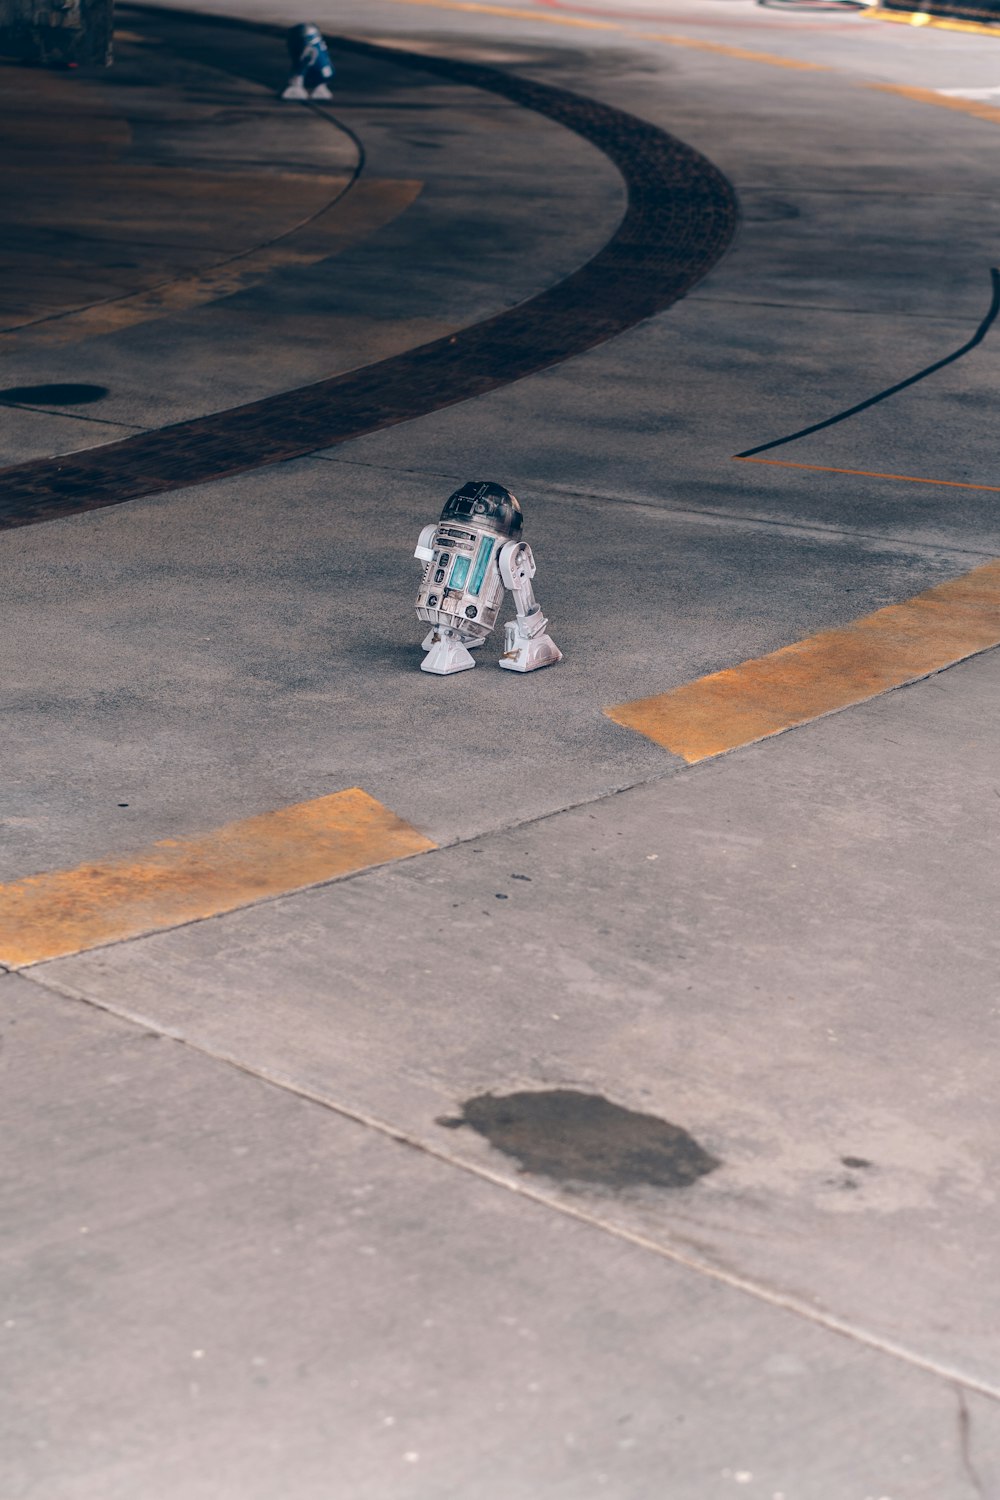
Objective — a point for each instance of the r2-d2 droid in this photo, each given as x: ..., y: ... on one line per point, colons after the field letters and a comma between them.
x: 470, y: 556
x: 311, y: 63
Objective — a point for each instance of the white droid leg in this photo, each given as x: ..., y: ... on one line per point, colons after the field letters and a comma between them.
x: 527, y: 645
x: 433, y: 634
x: 295, y: 88
x: 447, y: 653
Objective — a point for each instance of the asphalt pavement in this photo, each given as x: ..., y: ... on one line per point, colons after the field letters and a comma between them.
x: 636, y: 1138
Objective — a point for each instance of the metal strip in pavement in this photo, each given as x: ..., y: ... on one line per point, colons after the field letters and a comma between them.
x: 176, y: 881
x: 681, y: 217
x: 825, y: 672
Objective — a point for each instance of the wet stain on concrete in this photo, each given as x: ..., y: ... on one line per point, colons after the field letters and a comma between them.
x: 53, y: 395
x: 577, y: 1137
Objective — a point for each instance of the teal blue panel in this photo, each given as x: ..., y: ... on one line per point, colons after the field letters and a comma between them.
x: 482, y: 563
x: 459, y: 573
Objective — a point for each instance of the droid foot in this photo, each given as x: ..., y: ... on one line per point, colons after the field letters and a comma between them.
x: 296, y: 90
x: 321, y: 92
x: 526, y: 653
x: 447, y: 654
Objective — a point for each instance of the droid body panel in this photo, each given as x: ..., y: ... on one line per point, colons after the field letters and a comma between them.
x: 311, y: 64
x: 467, y: 559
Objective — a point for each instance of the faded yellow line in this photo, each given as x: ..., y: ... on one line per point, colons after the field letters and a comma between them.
x: 825, y: 672
x: 772, y: 59
x: 942, y: 101
x: 475, y: 8
x: 549, y: 18
x: 348, y: 220
x: 184, y: 880
x: 784, y: 463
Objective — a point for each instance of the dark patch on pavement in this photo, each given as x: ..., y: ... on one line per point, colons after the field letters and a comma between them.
x: 681, y: 217
x: 577, y: 1137
x: 53, y: 395
x: 858, y: 1162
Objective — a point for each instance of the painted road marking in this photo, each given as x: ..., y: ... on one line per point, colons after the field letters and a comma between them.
x: 784, y: 463
x: 832, y: 670
x: 475, y: 7
x: 772, y: 59
x: 353, y: 215
x: 943, y: 101
x: 185, y: 880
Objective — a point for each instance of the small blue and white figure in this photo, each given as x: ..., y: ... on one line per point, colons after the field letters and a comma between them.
x: 312, y: 68
x: 470, y: 557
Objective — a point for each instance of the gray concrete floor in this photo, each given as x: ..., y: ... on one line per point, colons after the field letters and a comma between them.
x: 242, y: 1256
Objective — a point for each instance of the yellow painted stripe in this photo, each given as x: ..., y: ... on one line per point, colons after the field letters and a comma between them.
x: 772, y: 59
x: 825, y: 672
x: 546, y: 19
x: 785, y: 463
x: 550, y: 18
x: 185, y: 880
x: 367, y: 206
x: 941, y: 23
x: 942, y: 101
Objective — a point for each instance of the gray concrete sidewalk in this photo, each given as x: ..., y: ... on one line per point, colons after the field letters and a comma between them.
x: 214, y: 1289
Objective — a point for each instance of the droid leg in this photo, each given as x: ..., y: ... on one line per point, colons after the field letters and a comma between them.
x: 432, y: 636
x: 448, y: 653
x: 527, y: 645
x: 295, y: 88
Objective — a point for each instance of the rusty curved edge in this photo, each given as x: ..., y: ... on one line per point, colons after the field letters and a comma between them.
x: 681, y: 217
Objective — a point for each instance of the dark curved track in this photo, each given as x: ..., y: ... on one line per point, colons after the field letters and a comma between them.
x: 681, y: 216
x: 993, y: 312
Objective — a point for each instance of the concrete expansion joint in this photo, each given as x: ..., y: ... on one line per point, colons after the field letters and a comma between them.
x: 707, y: 514
x: 664, y: 1250
x: 78, y: 416
x: 710, y: 514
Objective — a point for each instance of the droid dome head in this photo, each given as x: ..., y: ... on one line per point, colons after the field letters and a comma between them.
x: 300, y: 38
x: 488, y: 504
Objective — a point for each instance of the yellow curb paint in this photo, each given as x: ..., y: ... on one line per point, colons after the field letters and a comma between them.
x: 185, y: 880
x: 940, y: 23
x: 549, y: 18
x: 825, y: 672
x: 943, y: 101
x: 952, y: 484
x: 354, y: 214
